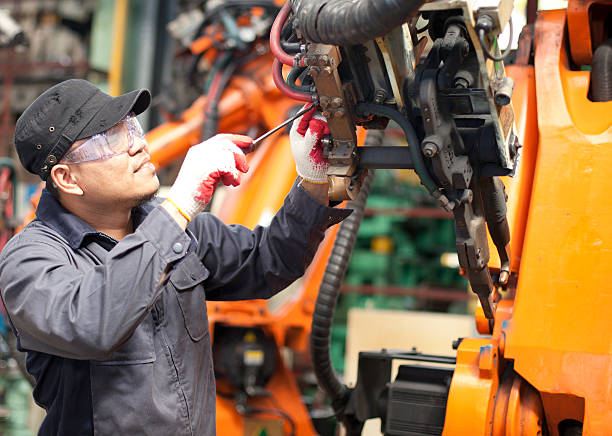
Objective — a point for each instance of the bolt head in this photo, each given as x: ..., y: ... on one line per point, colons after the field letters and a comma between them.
x: 430, y: 149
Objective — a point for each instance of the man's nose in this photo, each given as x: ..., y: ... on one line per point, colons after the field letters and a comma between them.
x: 138, y: 144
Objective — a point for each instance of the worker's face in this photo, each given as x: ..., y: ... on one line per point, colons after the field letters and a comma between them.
x: 125, y: 179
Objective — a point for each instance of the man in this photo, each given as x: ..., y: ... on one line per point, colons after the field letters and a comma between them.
x: 105, y: 290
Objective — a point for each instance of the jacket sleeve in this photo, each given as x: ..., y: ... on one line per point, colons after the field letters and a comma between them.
x: 78, y: 313
x: 248, y: 264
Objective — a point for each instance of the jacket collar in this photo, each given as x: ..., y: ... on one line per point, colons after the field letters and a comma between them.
x: 73, y: 229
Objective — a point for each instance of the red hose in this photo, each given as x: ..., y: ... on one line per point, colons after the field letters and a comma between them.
x: 275, y: 32
x: 277, y: 75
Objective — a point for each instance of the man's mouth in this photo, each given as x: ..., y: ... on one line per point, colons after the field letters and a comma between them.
x: 144, y: 162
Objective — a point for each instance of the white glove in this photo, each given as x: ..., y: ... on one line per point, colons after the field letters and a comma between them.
x: 305, y: 137
x: 207, y: 163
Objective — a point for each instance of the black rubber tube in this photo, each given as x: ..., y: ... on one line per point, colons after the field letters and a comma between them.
x: 601, y: 72
x: 346, y: 22
x: 411, y: 137
x: 329, y: 291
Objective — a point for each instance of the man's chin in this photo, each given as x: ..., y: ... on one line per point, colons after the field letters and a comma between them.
x: 145, y: 198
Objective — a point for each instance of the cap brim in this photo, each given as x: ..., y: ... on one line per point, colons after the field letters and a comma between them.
x: 115, y: 110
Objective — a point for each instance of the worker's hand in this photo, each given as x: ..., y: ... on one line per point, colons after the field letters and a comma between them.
x: 218, y: 159
x: 305, y: 136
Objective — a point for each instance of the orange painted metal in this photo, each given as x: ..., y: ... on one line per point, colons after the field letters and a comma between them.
x: 471, y: 401
x: 579, y: 27
x: 560, y: 335
x: 518, y: 408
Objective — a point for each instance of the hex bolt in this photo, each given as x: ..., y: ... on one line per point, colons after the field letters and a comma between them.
x: 324, y: 60
x: 314, y: 71
x: 324, y: 101
x: 339, y: 113
x: 327, y: 70
x: 430, y: 149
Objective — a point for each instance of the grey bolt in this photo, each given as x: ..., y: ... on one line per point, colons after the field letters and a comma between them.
x: 430, y: 149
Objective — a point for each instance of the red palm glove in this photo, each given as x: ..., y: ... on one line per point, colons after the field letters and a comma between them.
x: 305, y: 137
x: 218, y: 159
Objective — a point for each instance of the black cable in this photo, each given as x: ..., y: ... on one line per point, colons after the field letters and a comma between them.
x: 211, y: 115
x: 329, y: 291
x: 342, y: 22
x: 504, y: 55
x: 288, y: 38
x: 411, y: 137
x: 293, y: 76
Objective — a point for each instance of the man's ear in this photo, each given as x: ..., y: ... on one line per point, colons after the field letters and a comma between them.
x: 64, y: 180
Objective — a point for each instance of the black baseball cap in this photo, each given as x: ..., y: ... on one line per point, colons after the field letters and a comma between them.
x: 71, y: 110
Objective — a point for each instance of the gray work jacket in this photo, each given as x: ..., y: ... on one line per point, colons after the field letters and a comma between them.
x: 123, y: 325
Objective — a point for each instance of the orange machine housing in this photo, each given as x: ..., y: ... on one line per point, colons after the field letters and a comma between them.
x: 549, y: 358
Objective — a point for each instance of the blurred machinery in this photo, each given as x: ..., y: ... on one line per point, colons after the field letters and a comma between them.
x: 540, y: 369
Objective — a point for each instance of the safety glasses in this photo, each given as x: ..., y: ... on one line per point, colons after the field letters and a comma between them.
x: 116, y: 140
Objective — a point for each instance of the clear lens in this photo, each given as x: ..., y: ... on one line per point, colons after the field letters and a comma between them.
x: 116, y: 140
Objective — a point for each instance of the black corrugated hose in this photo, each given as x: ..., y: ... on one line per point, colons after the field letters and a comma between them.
x: 346, y: 22
x: 320, y: 336
x: 601, y: 72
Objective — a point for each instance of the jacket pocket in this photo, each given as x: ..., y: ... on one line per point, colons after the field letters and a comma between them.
x: 138, y: 349
x: 187, y: 280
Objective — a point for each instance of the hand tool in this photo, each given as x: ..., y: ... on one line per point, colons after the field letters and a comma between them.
x: 249, y: 148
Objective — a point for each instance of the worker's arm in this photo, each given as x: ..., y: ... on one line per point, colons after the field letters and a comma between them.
x: 270, y: 258
x: 247, y: 264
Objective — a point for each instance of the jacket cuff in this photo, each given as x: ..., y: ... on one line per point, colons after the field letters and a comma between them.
x: 301, y: 202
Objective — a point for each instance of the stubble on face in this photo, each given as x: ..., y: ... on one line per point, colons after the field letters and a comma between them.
x: 145, y: 198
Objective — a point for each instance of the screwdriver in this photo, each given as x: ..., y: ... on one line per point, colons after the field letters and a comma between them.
x: 249, y: 148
